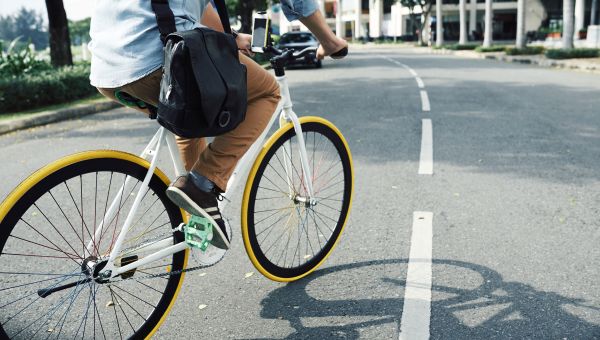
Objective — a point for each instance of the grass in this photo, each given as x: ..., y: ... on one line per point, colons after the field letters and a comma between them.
x: 494, y: 48
x: 89, y: 100
x: 573, y: 53
x: 528, y: 50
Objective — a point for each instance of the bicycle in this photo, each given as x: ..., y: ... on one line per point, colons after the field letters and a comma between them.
x: 91, y: 246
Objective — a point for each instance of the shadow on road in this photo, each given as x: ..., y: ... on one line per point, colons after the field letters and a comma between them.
x: 541, y: 314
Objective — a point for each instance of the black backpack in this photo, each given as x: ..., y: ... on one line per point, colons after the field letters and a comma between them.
x: 203, y: 88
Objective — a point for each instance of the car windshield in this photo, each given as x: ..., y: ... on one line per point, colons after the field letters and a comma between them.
x: 296, y: 38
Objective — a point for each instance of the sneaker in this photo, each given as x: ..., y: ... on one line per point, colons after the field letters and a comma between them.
x: 190, y: 198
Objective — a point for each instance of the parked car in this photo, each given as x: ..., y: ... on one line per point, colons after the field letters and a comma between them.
x: 298, y: 41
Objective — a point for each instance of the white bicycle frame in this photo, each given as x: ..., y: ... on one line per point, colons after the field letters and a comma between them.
x: 151, y: 153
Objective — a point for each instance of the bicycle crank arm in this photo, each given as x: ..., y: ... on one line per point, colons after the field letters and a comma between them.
x: 47, y: 291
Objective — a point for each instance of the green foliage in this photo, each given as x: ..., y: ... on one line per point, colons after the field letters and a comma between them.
x: 529, y: 50
x: 495, y: 48
x: 26, y: 23
x: 46, y: 88
x: 573, y: 53
x: 461, y: 47
x: 17, y: 61
x: 79, y: 31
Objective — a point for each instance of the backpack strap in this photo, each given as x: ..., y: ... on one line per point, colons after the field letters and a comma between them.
x: 166, y: 19
x: 223, y: 15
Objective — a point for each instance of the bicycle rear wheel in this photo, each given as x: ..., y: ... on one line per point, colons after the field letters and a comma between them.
x: 286, y: 237
x: 45, y: 225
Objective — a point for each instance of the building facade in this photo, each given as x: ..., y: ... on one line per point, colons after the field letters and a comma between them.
x: 371, y: 19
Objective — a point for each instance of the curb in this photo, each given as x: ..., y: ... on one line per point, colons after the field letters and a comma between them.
x: 51, y: 116
x: 578, y: 64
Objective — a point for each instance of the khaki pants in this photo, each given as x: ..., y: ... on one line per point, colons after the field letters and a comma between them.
x: 217, y: 160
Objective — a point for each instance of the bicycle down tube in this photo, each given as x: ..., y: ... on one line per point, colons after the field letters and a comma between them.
x: 164, y: 247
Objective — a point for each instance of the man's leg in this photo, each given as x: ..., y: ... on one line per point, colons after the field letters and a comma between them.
x: 218, y: 160
x: 147, y: 89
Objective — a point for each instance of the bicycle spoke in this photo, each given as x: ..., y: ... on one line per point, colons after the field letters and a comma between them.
x: 54, y: 227
x: 135, y: 310
x: 65, y: 216
x: 115, y: 310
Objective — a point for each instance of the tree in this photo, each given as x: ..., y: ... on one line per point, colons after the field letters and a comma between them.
x: 27, y: 24
x: 244, y: 9
x: 79, y: 31
x: 426, y: 6
x: 60, y: 42
x: 568, y: 23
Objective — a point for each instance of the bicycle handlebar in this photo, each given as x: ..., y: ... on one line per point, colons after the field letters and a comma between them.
x: 288, y: 54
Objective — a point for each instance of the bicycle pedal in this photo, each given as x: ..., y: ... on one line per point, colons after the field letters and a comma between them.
x: 198, y: 232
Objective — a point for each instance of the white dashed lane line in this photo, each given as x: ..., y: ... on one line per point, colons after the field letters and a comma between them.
x: 425, y: 101
x: 416, y: 312
x: 420, y: 82
x: 425, y: 105
x: 426, y: 158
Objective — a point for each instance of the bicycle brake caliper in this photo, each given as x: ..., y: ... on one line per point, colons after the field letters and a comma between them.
x: 198, y: 232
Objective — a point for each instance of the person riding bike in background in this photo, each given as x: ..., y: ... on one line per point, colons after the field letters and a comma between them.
x: 127, y: 59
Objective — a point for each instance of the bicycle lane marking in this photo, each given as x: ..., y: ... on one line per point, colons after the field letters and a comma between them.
x: 416, y: 312
x: 426, y: 157
x: 425, y: 104
x: 425, y: 101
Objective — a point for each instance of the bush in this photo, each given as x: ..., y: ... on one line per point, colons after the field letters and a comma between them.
x: 19, y: 60
x: 529, y: 50
x: 495, y: 48
x: 461, y: 47
x: 18, y: 93
x: 573, y: 53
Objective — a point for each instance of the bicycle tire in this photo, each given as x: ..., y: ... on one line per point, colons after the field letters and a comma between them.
x: 21, y: 210
x: 330, y: 139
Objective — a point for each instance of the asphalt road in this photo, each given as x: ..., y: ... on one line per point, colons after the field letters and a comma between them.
x: 515, y: 197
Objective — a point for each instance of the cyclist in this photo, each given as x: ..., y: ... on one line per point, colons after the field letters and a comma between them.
x: 127, y: 59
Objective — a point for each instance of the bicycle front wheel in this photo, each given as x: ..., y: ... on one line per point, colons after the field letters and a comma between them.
x: 286, y: 236
x: 48, y: 233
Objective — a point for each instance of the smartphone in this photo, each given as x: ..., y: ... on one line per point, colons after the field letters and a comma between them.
x: 260, y: 29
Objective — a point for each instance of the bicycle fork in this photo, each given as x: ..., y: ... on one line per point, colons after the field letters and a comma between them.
x: 288, y: 116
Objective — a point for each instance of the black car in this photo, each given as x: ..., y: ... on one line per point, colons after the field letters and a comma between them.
x: 298, y: 41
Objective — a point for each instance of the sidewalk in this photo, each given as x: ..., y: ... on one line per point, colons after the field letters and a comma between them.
x: 51, y: 116
x: 591, y: 65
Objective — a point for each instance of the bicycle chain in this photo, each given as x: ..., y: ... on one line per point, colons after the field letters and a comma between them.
x: 176, y: 272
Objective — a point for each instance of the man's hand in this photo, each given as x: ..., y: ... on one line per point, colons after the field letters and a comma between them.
x: 244, y: 42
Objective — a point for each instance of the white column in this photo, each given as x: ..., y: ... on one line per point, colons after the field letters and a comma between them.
x: 594, y: 16
x: 579, y: 16
x: 357, y: 19
x: 439, y: 24
x: 473, y: 16
x: 339, y: 24
x: 520, y: 43
x: 375, y: 18
x: 567, y: 24
x: 487, y: 35
x: 462, y: 12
